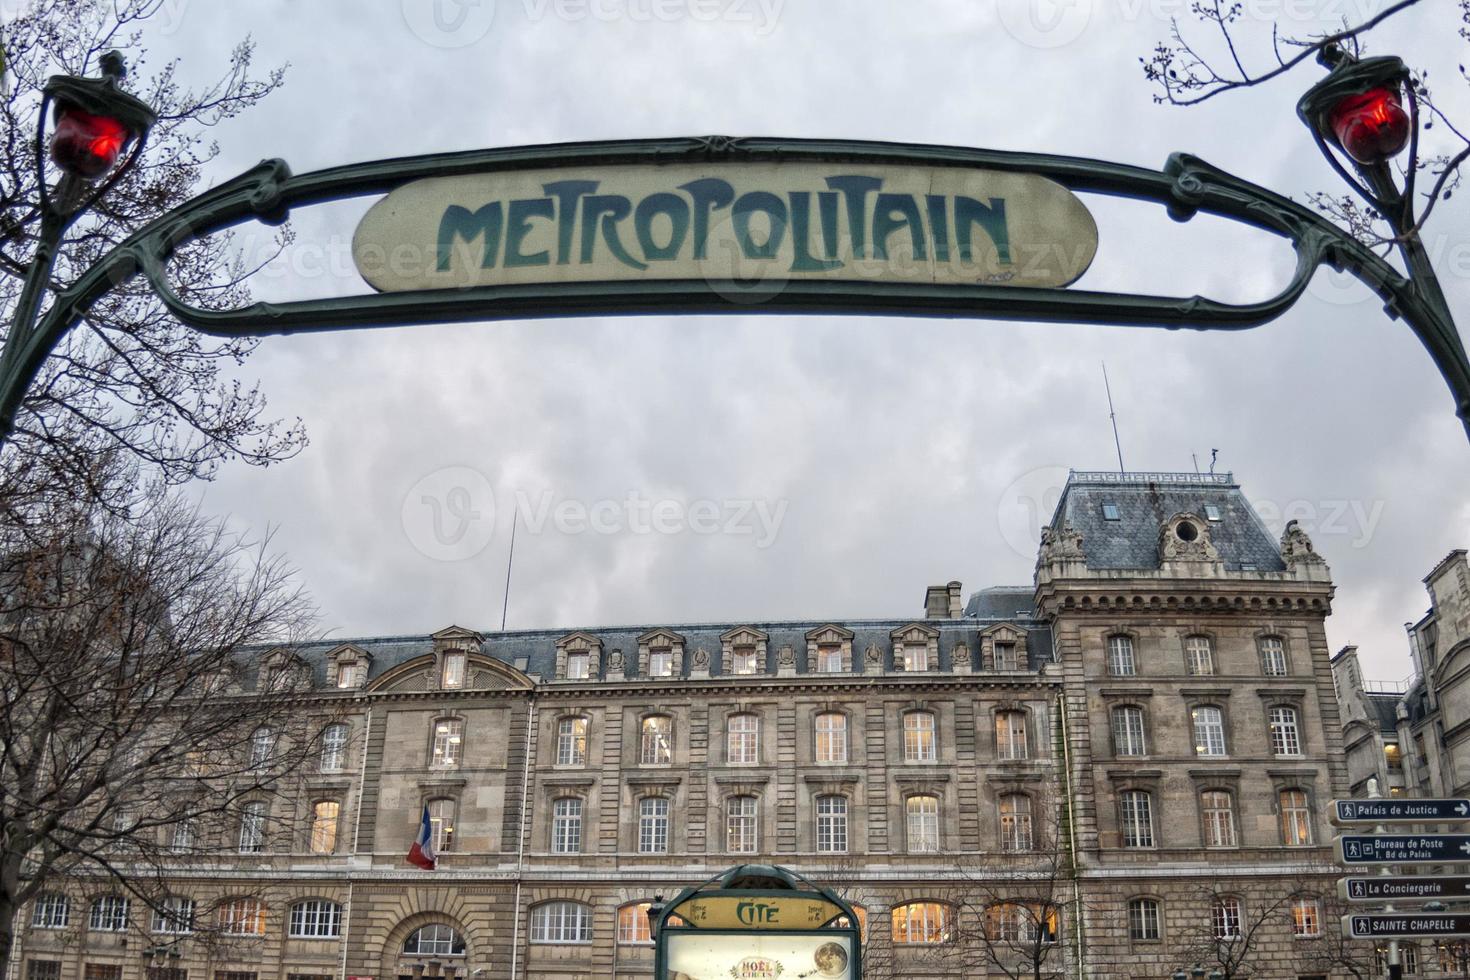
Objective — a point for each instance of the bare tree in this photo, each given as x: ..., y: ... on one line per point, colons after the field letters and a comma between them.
x: 148, y: 705
x: 1333, y: 952
x: 130, y: 383
x: 1228, y: 937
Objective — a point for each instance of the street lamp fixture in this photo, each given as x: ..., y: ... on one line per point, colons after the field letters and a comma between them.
x: 95, y: 121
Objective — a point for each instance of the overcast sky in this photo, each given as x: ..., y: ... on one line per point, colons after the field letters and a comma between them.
x: 816, y: 467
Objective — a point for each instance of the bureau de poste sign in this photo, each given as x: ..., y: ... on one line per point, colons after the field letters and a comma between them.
x: 726, y: 220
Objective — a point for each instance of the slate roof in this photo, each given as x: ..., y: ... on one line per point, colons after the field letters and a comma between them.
x: 1145, y: 501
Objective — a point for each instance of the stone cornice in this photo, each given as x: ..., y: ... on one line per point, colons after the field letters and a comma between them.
x: 1123, y: 593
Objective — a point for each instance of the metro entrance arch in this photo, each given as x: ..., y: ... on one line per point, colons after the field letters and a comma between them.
x: 718, y: 224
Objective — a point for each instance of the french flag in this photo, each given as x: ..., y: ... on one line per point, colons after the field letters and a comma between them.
x: 422, y: 851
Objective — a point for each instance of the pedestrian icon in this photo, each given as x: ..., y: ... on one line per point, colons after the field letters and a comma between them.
x: 1360, y: 890
x: 1353, y: 849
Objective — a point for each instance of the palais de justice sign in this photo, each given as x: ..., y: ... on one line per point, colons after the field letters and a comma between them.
x: 726, y: 221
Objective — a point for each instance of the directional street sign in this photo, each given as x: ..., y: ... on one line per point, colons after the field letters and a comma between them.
x: 1410, y: 925
x: 1390, y: 810
x: 1402, y: 848
x: 1390, y: 889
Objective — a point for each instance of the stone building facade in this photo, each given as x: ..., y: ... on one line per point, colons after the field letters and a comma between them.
x: 1149, y: 730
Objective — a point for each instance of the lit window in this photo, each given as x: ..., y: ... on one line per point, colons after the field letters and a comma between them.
x: 1015, y: 822
x: 579, y: 664
x: 1136, y: 809
x: 1226, y: 918
x: 1285, y: 739
x: 242, y: 917
x: 1005, y: 657
x: 434, y: 940
x: 742, y: 746
x: 1198, y: 656
x: 922, y: 817
x: 633, y: 927
x: 741, y: 825
x: 829, y: 660
x: 316, y: 919
x: 52, y: 911
x: 252, y: 828
x: 448, y: 743
x: 743, y: 660
x: 566, y: 826
x: 109, y: 914
x: 1273, y: 656
x: 174, y: 916
x: 661, y: 662
x: 918, y: 737
x: 441, y: 824
x: 571, y: 742
x: 1296, y: 818
x: 1110, y: 512
x: 658, y: 741
x: 920, y: 923
x: 334, y: 748
x: 1015, y: 922
x: 452, y: 674
x: 349, y: 675
x: 831, y: 737
x: 324, y: 826
x: 1010, y: 735
x: 1143, y: 920
x: 1219, y: 818
x: 1128, y: 731
x: 262, y: 746
x: 561, y: 923
x: 916, y: 656
x: 1209, y: 730
x: 832, y: 824
x: 1306, y: 918
x: 1392, y: 757
x: 653, y: 825
x: 1120, y: 656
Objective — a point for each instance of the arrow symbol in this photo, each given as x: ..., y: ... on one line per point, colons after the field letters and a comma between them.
x: 1462, y: 809
x: 1465, y: 848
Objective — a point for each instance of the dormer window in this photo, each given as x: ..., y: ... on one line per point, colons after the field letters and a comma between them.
x: 348, y: 676
x: 1005, y: 657
x: 829, y: 659
x: 579, y: 663
x: 452, y: 674
x: 1212, y: 513
x: 916, y: 656
x: 1111, y: 513
x: 660, y: 662
x: 744, y: 660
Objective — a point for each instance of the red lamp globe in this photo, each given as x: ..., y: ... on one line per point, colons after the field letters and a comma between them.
x: 1372, y: 126
x: 87, y: 145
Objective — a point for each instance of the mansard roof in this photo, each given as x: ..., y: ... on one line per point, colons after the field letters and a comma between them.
x: 1145, y: 501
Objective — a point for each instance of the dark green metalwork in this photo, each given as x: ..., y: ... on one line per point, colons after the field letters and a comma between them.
x: 1186, y: 186
x: 752, y: 881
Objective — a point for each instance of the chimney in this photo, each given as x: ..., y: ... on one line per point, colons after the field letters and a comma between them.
x: 956, y: 603
x: 936, y: 602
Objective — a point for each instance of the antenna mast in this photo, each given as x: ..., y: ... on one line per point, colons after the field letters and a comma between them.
x: 509, y: 564
x: 1112, y: 415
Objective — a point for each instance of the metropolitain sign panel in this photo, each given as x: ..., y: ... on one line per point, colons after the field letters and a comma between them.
x: 734, y: 220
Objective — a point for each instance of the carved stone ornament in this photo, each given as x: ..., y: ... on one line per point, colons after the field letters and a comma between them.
x: 1062, y: 544
x: 786, y: 657
x: 701, y: 657
x: 874, y: 655
x: 1296, y: 547
x: 615, y: 660
x: 1185, y: 537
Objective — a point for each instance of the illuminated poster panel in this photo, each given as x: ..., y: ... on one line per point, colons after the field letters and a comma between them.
x: 818, y: 955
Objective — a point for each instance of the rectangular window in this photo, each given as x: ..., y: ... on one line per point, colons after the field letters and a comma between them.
x: 242, y: 917
x: 1143, y: 920
x: 918, y: 737
x: 1212, y: 513
x: 1110, y: 512
x: 43, y: 970
x: 829, y: 660
x: 922, y: 813
x: 1273, y: 656
x: 324, y: 826
x: 658, y: 741
x: 349, y: 676
x: 441, y: 824
x: 571, y: 742
x: 832, y: 824
x: 653, y: 826
x: 831, y: 737
x: 109, y: 914
x: 916, y: 656
x: 1219, y: 818
x: 566, y: 826
x: 52, y: 911
x: 1015, y: 823
x: 175, y: 916
x: 1010, y: 735
x: 740, y: 825
x: 1136, y: 810
x: 102, y: 971
x: 1120, y: 656
x: 578, y: 666
x: 1209, y: 730
x: 316, y: 919
x: 1198, y: 656
x: 1296, y: 818
x: 1128, y: 733
x: 1005, y: 657
x: 661, y: 662
x: 1285, y: 739
x: 252, y: 828
x: 234, y: 975
x: 1306, y: 918
x: 448, y: 743
x: 453, y: 673
x: 743, y: 740
x: 743, y: 660
x: 1392, y: 757
x: 1226, y: 917
x: 167, y: 973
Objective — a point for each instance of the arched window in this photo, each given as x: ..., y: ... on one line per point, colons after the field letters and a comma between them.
x: 441, y: 824
x: 862, y: 919
x: 1010, y: 735
x: 334, y: 747
x: 1296, y: 818
x: 561, y: 923
x: 262, y: 746
x: 742, y: 739
x: 252, y: 827
x: 1209, y: 730
x: 1217, y: 811
x: 448, y: 744
x: 633, y: 927
x: 571, y: 742
x: 1143, y: 920
x: 52, y: 911
x: 1199, y: 656
x: 1285, y: 736
x: 1136, y: 814
x: 1128, y: 731
x: 1225, y: 918
x: 324, y: 815
x: 174, y: 915
x: 1015, y: 822
x: 316, y: 919
x: 242, y: 917
x: 1016, y: 922
x: 434, y: 940
x: 1273, y: 656
x: 109, y: 914
x: 1306, y: 917
x: 832, y: 824
x: 918, y: 737
x: 653, y: 825
x: 452, y: 674
x: 566, y: 825
x: 921, y: 923
x: 742, y: 825
x: 922, y: 818
x: 831, y: 731
x: 1120, y: 656
x: 657, y: 747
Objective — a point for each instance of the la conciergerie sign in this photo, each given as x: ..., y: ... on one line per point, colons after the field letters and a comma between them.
x: 763, y: 221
